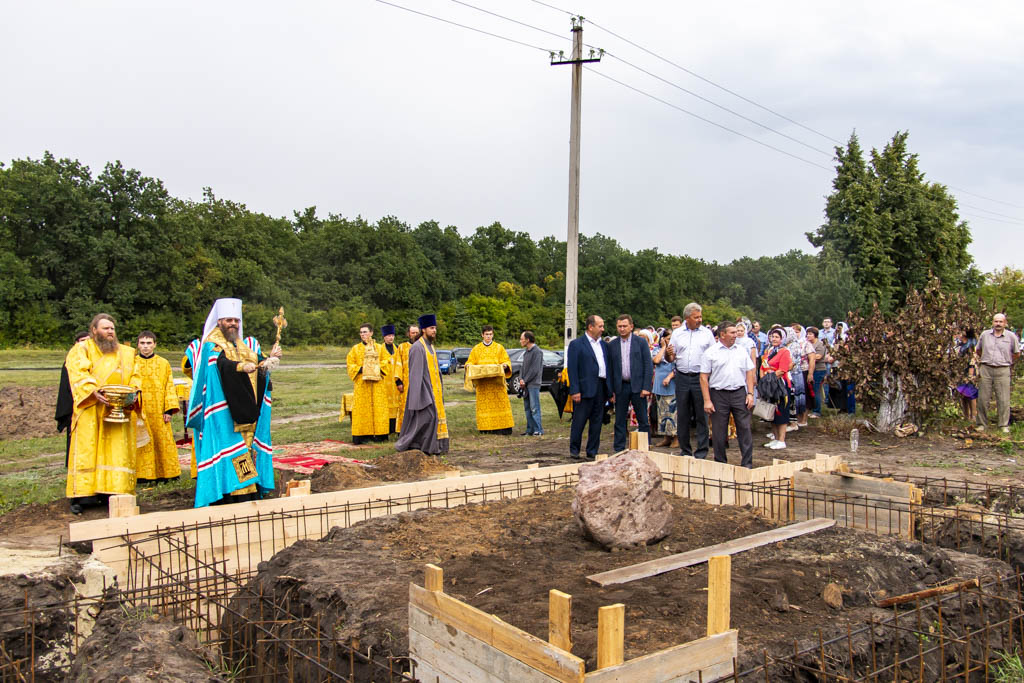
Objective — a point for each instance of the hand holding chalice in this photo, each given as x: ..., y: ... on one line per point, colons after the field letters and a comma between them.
x: 119, y: 397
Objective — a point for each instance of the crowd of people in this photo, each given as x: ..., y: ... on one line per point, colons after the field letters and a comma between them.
x: 692, y: 384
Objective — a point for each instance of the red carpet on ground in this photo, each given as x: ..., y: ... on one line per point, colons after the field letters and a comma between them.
x: 302, y: 458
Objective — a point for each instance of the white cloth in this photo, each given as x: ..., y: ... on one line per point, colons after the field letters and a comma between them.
x: 689, y: 346
x: 223, y: 308
x: 727, y: 366
x: 745, y: 342
x: 595, y: 346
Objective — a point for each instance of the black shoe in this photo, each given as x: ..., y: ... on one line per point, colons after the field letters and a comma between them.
x: 575, y: 456
x: 76, y: 509
x: 526, y: 434
x: 591, y: 457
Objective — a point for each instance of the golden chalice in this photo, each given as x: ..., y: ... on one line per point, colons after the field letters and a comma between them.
x: 118, y: 395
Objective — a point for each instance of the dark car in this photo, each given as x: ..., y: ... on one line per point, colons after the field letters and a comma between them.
x: 462, y: 354
x: 552, y: 366
x: 446, y: 363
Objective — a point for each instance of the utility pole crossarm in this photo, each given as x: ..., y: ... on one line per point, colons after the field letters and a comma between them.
x: 572, y: 242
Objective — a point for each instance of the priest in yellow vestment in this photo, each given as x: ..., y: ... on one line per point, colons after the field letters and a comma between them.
x: 402, y: 372
x: 390, y: 355
x: 493, y: 410
x: 369, y: 371
x: 158, y: 459
x: 101, y: 459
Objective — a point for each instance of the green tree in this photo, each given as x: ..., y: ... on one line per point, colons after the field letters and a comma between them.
x: 892, y: 226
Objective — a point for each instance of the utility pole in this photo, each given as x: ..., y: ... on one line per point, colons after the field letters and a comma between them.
x: 572, y: 242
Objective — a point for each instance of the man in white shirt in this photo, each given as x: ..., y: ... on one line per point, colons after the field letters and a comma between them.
x: 727, y: 386
x: 686, y: 349
x: 589, y: 386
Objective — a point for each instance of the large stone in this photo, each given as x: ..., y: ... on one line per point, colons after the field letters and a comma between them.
x: 619, y: 502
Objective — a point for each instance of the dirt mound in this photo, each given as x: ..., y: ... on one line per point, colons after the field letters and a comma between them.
x: 27, y: 412
x: 404, y: 466
x: 502, y: 557
x: 138, y: 646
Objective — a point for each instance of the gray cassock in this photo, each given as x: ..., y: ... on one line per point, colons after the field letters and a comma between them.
x: 419, y: 422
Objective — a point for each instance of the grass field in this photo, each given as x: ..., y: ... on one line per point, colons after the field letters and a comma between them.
x: 32, y: 470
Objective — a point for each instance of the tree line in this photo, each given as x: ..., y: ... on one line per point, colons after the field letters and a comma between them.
x: 73, y: 243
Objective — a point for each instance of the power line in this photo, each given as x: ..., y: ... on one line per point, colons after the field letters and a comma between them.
x: 706, y: 120
x: 514, y: 21
x: 696, y: 75
x: 994, y: 213
x: 468, y: 28
x: 652, y: 75
x: 722, y: 107
x: 981, y: 196
x: 989, y: 218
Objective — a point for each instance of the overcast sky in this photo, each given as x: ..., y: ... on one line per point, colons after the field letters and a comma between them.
x: 359, y: 108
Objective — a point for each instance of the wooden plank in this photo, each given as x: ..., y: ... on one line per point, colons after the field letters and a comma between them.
x: 719, y: 593
x: 692, y: 557
x: 560, y: 619
x: 611, y: 623
x: 153, y: 521
x: 838, y: 484
x: 433, y: 578
x: 706, y: 659
x: 515, y: 642
x: 450, y: 654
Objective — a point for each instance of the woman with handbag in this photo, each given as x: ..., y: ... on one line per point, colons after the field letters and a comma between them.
x: 776, y: 360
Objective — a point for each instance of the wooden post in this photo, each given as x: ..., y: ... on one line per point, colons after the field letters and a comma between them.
x: 560, y: 619
x: 533, y: 466
x: 433, y: 578
x: 643, y: 442
x: 719, y: 589
x: 633, y: 441
x: 298, y: 487
x: 611, y: 622
x: 122, y: 505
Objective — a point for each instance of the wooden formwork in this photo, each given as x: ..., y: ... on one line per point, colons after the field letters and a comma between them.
x: 452, y: 642
x: 234, y: 539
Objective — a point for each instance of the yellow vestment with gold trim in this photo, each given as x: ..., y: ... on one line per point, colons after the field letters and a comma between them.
x: 493, y: 409
x: 371, y: 409
x: 394, y: 400
x: 102, y: 454
x: 158, y: 459
x: 402, y: 371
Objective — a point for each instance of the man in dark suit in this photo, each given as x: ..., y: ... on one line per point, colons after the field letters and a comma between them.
x: 587, y: 363
x: 632, y: 378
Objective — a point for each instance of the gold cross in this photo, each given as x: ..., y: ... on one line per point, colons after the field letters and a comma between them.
x: 280, y: 322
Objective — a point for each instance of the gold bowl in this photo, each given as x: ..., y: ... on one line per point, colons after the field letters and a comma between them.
x: 118, y: 395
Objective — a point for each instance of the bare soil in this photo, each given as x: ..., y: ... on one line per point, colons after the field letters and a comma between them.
x: 27, y: 412
x: 133, y: 645
x: 502, y: 557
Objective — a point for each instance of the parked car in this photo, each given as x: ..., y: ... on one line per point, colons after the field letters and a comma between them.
x: 446, y: 362
x: 552, y: 366
x: 461, y: 355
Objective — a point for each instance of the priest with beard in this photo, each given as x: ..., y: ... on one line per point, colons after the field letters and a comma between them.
x: 101, y: 455
x: 402, y: 372
x: 424, y: 425
x: 229, y: 411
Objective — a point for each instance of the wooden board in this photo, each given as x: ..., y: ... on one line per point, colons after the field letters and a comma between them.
x: 519, y: 644
x: 706, y: 659
x: 858, y: 502
x: 446, y: 653
x: 692, y: 557
x: 154, y: 521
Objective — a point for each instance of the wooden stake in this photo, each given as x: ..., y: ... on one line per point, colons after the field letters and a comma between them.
x: 122, y: 505
x: 560, y: 619
x: 928, y: 593
x: 433, y: 578
x: 719, y: 593
x: 611, y: 623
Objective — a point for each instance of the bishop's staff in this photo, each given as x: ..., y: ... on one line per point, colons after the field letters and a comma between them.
x: 275, y: 353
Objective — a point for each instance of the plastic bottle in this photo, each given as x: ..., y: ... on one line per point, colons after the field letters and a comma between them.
x: 854, y: 439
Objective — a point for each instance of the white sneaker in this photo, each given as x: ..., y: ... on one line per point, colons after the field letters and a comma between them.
x: 778, y: 445
x: 981, y: 428
x: 771, y: 444
x: 770, y: 436
x: 1006, y: 430
x: 792, y: 428
x: 801, y: 424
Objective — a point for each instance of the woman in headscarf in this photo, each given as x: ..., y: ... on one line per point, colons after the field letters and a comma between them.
x: 776, y: 359
x: 968, y: 388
